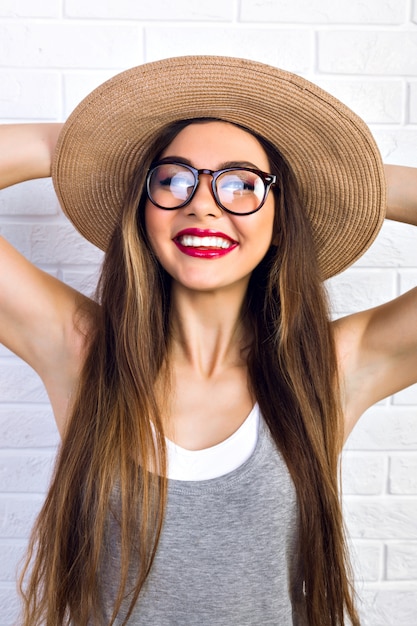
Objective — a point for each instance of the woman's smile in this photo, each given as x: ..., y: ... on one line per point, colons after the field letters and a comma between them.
x: 204, y: 244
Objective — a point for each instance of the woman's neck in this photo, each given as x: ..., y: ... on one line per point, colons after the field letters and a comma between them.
x: 207, y: 330
x: 204, y: 390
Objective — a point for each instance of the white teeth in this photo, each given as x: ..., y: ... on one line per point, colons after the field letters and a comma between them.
x: 204, y: 242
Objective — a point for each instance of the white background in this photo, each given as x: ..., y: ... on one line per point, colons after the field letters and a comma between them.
x: 52, y: 53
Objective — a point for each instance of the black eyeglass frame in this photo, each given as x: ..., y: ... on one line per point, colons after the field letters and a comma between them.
x: 268, y: 180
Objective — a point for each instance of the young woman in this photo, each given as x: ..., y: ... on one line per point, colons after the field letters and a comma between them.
x: 204, y: 397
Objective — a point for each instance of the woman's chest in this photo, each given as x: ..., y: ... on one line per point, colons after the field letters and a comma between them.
x: 203, y: 413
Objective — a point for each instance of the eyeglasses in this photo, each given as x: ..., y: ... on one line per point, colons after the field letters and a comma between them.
x: 237, y: 190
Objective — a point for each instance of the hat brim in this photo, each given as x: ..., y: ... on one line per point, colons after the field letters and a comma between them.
x: 329, y: 148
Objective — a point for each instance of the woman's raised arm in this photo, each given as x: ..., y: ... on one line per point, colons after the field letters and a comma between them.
x: 37, y: 312
x: 401, y: 193
x: 26, y: 151
x: 378, y: 348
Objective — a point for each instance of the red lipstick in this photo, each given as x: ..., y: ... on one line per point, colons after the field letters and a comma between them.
x: 204, y: 243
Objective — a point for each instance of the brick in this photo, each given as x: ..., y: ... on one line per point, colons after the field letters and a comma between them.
x: 19, y: 383
x: 85, y: 282
x: 385, y: 428
x: 30, y: 198
x: 290, y: 49
x: 46, y: 244
x: 25, y: 471
x: 28, y: 8
x: 9, y: 605
x: 366, y: 559
x: 61, y: 243
x: 18, y: 513
x: 11, y: 555
x: 324, y: 11
x: 22, y: 99
x: 397, y: 146
x: 406, y: 397
x: 402, y: 561
x: 364, y: 473
x: 70, y: 45
x: 408, y: 279
x: 395, y: 246
x: 78, y: 86
x: 376, y: 102
x: 381, y: 518
x: 403, y: 474
x: 389, y: 607
x: 18, y: 236
x: 412, y: 114
x: 27, y: 427
x: 357, y: 289
x: 184, y: 10
x: 367, y: 52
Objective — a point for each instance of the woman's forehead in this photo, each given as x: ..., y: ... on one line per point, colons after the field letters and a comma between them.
x: 218, y: 142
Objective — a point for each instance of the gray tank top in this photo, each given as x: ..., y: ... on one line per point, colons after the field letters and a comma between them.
x: 225, y: 551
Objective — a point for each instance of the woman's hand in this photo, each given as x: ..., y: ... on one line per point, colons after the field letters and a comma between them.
x: 401, y: 193
x: 26, y: 151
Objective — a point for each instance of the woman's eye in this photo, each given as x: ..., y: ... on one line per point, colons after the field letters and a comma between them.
x: 235, y: 184
x: 175, y: 181
x: 165, y: 182
x: 179, y: 181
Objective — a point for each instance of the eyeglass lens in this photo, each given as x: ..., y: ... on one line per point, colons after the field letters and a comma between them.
x: 238, y: 190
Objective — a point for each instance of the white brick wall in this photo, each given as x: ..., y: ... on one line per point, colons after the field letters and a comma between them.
x: 52, y: 53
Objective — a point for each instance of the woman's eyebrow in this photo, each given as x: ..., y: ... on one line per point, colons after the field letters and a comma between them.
x: 227, y: 164
x: 177, y: 159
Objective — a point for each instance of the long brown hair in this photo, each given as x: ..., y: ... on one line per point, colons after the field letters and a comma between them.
x: 111, y: 448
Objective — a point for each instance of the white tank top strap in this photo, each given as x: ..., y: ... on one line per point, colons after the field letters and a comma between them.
x: 217, y: 460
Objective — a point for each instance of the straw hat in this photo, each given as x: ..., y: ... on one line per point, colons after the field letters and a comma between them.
x: 329, y: 148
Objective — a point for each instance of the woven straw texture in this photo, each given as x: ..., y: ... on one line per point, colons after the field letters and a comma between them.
x: 329, y: 148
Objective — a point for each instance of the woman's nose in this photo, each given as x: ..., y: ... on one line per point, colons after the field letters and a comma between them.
x: 203, y: 200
